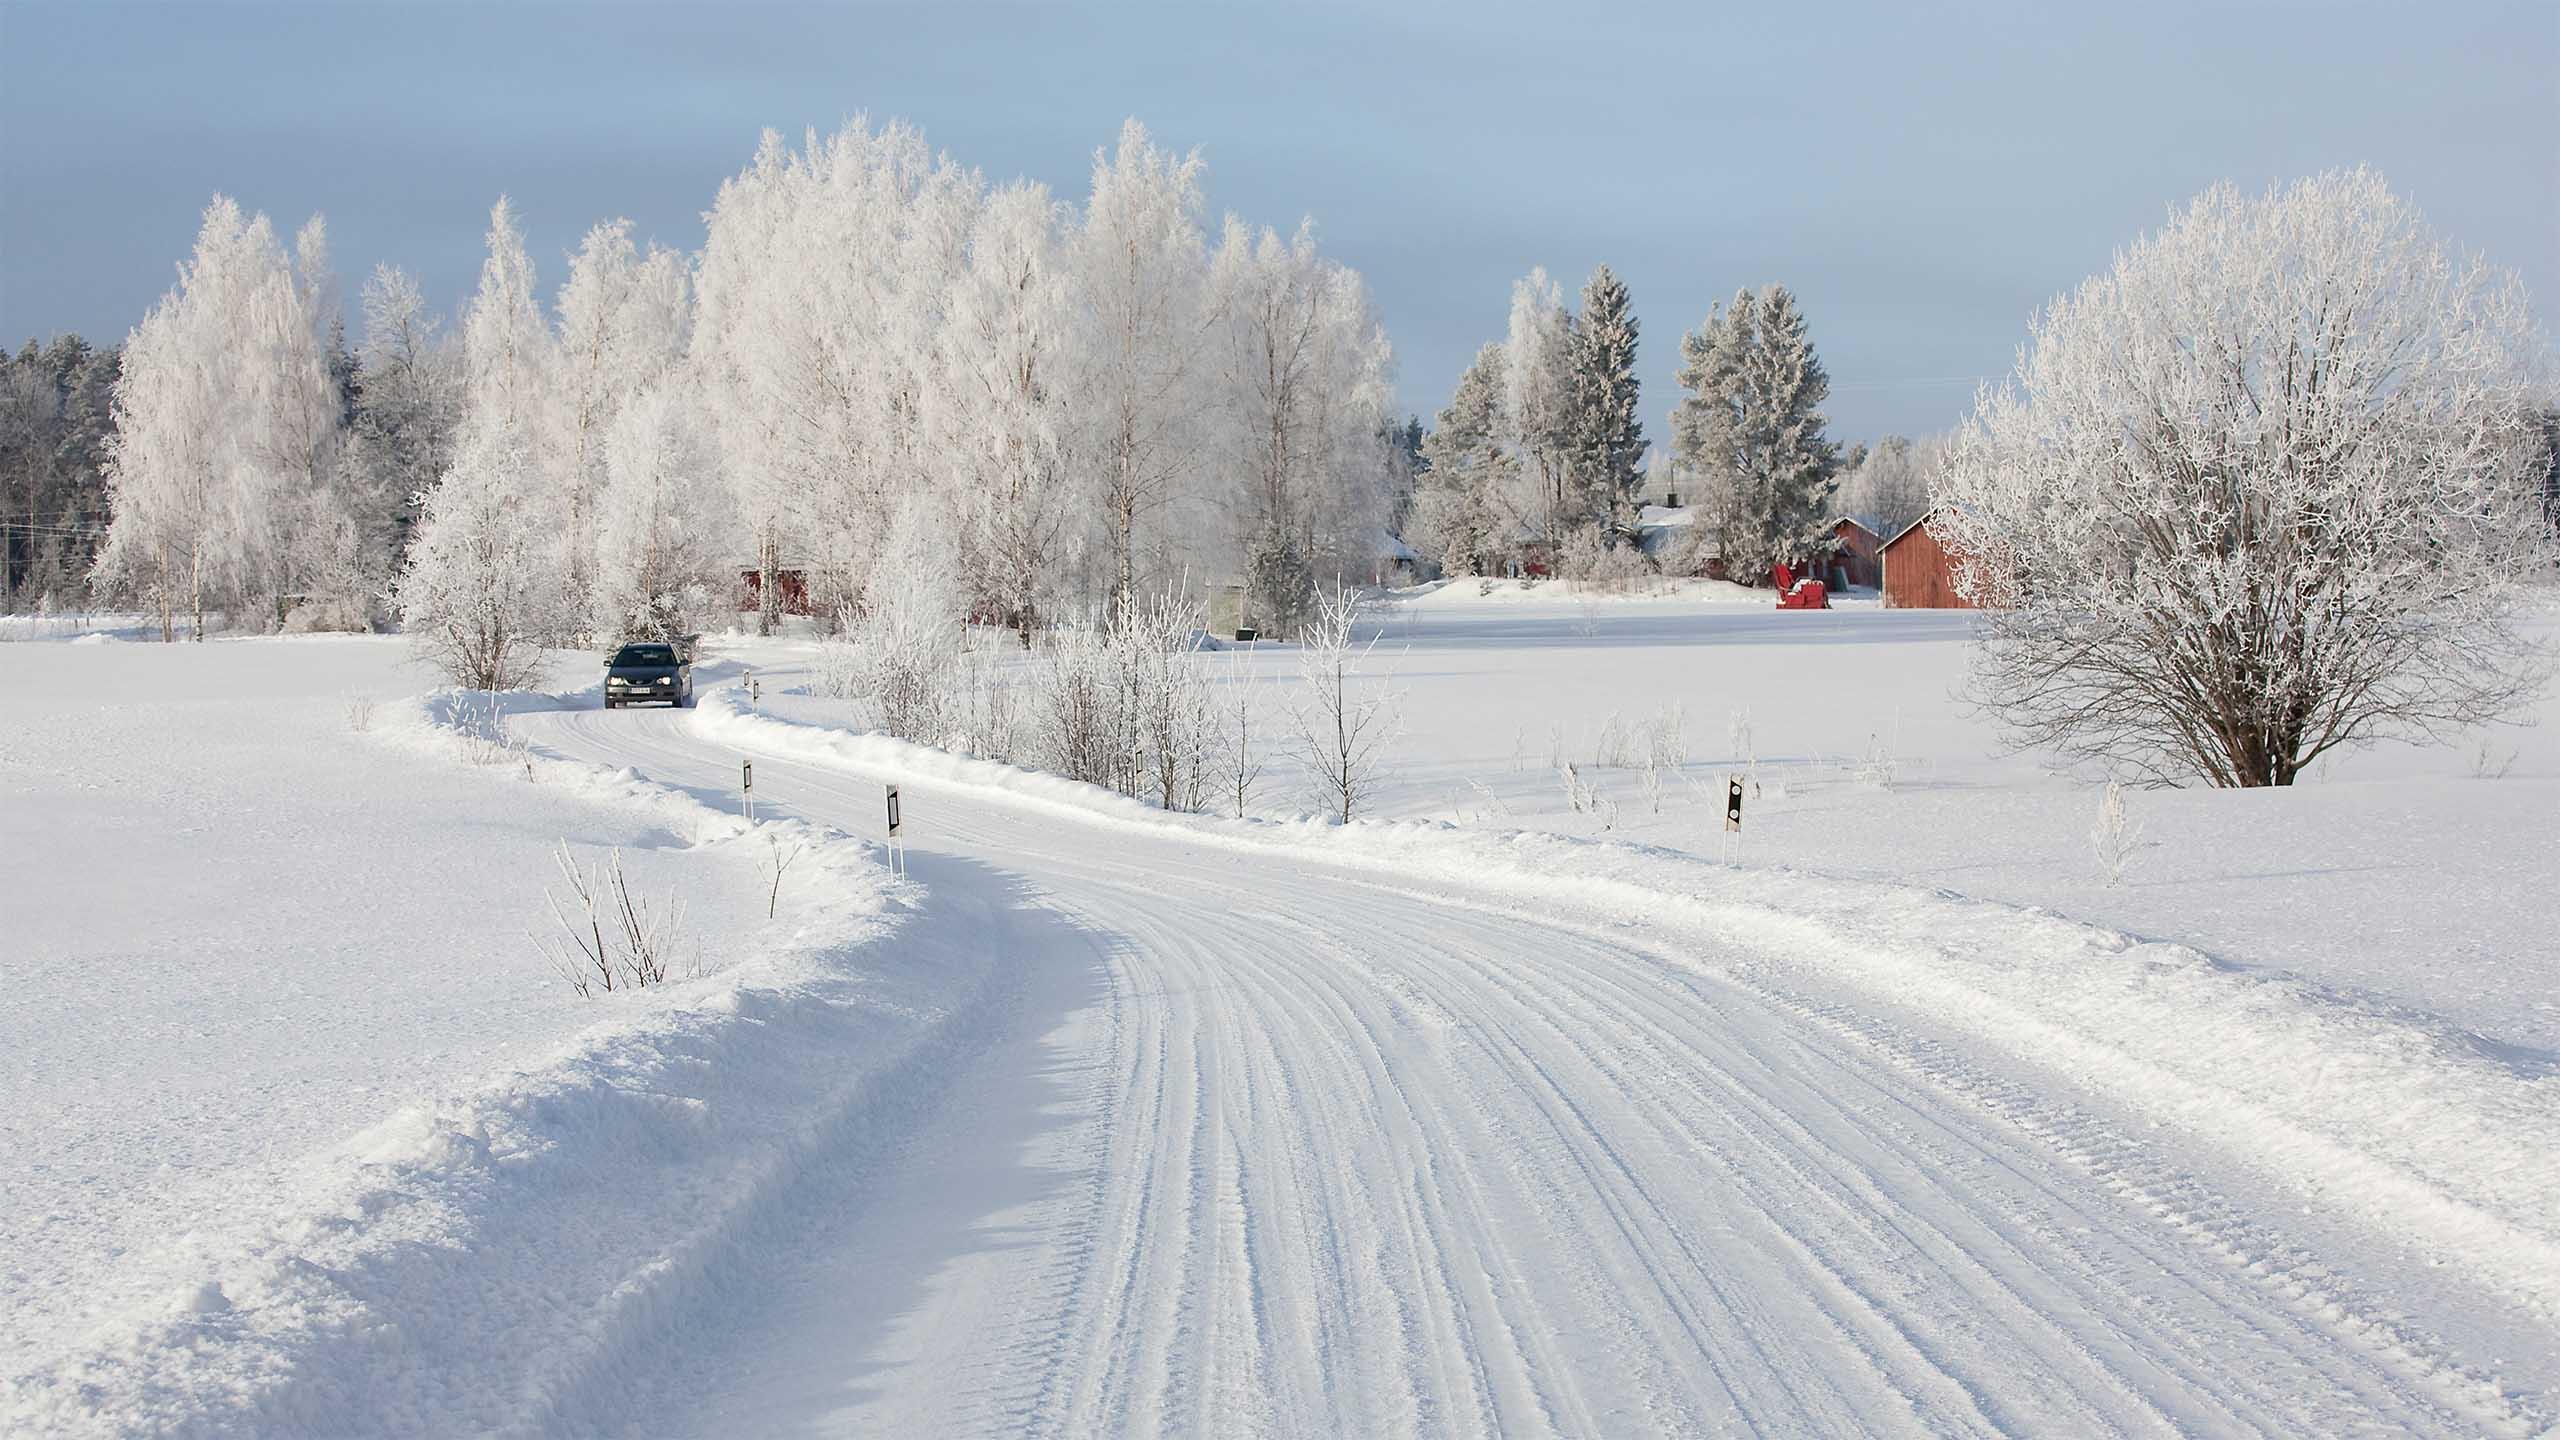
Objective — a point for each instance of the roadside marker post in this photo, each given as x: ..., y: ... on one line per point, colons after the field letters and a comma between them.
x: 1733, y: 820
x: 747, y: 787
x: 897, y: 847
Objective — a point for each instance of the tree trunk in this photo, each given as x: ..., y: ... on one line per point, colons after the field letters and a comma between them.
x: 768, y: 583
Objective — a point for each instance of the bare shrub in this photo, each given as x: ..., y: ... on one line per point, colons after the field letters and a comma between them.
x: 1127, y: 704
x: 776, y: 863
x: 1240, y: 757
x: 610, y: 938
x: 359, y: 713
x: 2489, y: 759
x: 1342, y: 725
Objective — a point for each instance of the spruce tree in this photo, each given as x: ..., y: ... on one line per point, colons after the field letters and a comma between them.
x: 1460, y: 491
x: 1751, y: 427
x: 1607, y: 437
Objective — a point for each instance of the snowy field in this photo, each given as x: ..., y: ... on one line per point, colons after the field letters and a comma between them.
x: 2399, y: 875
x: 305, y: 1129
x: 279, y: 993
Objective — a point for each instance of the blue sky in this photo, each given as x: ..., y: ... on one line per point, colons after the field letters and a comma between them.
x: 1922, y: 176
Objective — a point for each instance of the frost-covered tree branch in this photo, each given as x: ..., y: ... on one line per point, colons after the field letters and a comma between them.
x: 2260, y: 491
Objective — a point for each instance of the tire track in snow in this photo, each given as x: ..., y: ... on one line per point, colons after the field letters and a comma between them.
x: 1407, y: 1163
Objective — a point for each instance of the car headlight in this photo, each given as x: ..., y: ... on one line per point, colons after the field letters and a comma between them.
x: 666, y: 679
x: 616, y: 680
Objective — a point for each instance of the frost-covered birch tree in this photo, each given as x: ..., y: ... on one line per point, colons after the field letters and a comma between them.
x: 482, y: 592
x: 1143, y: 316
x: 661, y: 521
x: 821, y: 288
x: 1002, y: 421
x: 1891, y: 485
x: 226, y: 426
x: 1303, y: 390
x: 624, y: 318
x: 2257, y: 492
x: 1537, y: 408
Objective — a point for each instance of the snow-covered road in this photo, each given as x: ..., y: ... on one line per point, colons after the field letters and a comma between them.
x: 1270, y: 1147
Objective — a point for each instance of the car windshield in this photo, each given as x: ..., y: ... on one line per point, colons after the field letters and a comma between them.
x: 638, y: 656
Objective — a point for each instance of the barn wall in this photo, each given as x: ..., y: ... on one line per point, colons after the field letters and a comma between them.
x: 1915, y: 574
x: 1858, y: 557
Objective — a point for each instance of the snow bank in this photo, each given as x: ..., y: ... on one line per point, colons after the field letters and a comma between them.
x: 1683, y: 592
x: 2408, y: 1125
x: 484, y: 1262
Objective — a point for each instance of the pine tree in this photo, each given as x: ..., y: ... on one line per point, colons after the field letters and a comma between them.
x: 408, y: 403
x: 1607, y: 438
x: 1751, y: 428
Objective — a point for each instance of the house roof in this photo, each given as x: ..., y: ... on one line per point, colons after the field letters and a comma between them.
x: 1863, y: 522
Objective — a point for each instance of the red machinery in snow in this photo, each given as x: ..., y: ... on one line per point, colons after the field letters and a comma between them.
x: 1806, y: 593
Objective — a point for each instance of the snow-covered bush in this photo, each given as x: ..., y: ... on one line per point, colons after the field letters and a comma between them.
x: 1666, y: 738
x: 480, y: 594
x: 1600, y: 565
x: 2256, y: 493
x: 1127, y: 704
x: 907, y: 642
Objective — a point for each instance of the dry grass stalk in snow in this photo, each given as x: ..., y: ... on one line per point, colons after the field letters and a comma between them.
x: 2115, y: 838
x: 777, y: 862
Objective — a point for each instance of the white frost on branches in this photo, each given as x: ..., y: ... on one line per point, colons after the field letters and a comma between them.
x: 2257, y: 492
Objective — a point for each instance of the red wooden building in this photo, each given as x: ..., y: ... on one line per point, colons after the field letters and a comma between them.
x: 791, y: 580
x: 1916, y: 573
x: 1857, y: 556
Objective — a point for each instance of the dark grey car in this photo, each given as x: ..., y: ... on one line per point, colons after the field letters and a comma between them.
x: 648, y: 674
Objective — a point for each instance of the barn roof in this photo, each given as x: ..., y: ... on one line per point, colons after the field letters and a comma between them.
x: 1914, y: 525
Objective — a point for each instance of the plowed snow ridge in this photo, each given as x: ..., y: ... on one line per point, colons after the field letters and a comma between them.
x: 1399, y: 1129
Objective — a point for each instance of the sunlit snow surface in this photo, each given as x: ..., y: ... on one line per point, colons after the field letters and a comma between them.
x: 1417, y: 1128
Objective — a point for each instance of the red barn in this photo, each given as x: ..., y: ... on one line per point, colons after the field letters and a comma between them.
x: 1857, y: 556
x: 1916, y: 573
